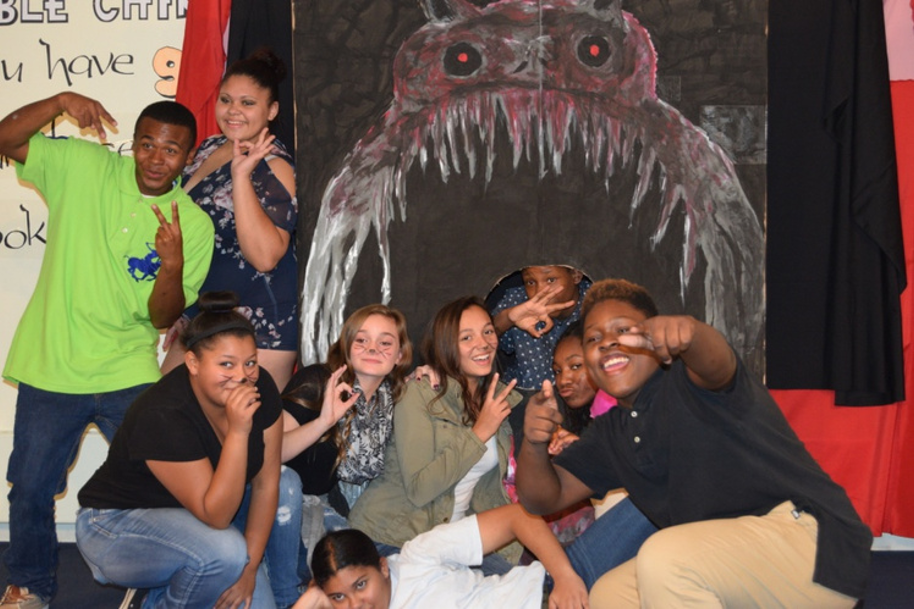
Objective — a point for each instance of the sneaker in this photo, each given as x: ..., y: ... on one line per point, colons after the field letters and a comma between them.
x: 21, y: 598
x: 134, y: 598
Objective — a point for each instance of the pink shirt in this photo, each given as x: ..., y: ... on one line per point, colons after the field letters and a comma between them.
x: 601, y: 403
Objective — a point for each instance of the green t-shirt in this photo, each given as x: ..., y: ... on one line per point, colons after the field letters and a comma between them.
x: 86, y: 328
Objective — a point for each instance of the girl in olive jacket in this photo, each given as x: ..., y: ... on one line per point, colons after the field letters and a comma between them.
x: 450, y: 447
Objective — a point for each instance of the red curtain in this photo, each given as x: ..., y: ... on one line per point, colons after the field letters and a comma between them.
x: 203, y: 61
x: 870, y: 450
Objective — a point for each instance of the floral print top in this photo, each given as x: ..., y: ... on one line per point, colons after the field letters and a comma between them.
x: 269, y: 300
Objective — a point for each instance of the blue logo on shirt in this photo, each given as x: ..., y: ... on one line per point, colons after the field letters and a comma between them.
x: 146, y: 268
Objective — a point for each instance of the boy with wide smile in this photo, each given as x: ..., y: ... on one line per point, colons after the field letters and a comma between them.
x: 746, y: 516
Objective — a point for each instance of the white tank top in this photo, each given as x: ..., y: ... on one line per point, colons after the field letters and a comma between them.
x: 463, y: 492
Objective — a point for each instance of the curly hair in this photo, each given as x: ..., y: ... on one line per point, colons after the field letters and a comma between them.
x: 622, y: 290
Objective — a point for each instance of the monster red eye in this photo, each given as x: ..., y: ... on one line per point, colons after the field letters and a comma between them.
x: 593, y: 51
x: 462, y: 59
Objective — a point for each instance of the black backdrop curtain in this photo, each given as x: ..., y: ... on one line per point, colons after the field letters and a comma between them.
x: 257, y: 23
x: 835, y: 266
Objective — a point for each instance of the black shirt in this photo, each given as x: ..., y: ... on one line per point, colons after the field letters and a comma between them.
x: 166, y: 423
x: 316, y: 465
x: 685, y: 454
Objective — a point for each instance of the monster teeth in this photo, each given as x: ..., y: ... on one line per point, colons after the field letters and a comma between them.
x: 628, y: 144
x: 546, y: 124
x: 645, y: 172
x: 671, y: 196
x: 361, y: 195
x: 452, y: 143
x: 468, y: 141
x: 440, y: 127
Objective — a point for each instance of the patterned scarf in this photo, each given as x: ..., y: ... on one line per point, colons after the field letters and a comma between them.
x: 369, y: 429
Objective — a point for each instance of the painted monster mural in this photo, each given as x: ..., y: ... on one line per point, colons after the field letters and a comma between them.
x: 551, y: 96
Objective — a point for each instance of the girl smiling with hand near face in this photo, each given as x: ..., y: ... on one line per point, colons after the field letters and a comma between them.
x: 434, y: 569
x: 338, y: 416
x: 245, y: 181
x: 184, y: 503
x: 449, y: 452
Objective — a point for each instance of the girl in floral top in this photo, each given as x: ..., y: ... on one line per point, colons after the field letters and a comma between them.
x: 244, y: 179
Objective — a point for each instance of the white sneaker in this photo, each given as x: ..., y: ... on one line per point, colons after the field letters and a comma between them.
x: 21, y: 598
x: 134, y: 598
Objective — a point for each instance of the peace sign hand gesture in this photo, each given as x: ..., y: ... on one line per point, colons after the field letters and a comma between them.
x: 495, y: 409
x: 169, y: 243
x: 534, y: 315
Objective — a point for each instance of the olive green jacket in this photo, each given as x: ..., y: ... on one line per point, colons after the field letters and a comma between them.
x: 431, y: 451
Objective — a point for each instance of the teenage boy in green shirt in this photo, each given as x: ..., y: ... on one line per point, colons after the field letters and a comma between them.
x: 127, y: 251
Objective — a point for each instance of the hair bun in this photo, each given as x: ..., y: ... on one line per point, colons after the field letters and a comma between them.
x: 218, y: 302
x: 271, y: 60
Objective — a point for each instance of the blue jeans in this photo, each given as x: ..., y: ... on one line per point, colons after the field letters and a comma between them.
x: 283, y: 547
x: 612, y: 539
x: 182, y: 561
x: 318, y: 519
x: 46, y: 436
x: 186, y: 563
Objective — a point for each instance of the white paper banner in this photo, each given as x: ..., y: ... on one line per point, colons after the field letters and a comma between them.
x: 124, y: 53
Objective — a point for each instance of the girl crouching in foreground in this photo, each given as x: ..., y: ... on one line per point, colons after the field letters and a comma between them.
x: 185, y: 501
x: 433, y: 570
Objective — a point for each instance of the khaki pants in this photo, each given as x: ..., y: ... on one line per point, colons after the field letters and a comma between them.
x: 752, y: 561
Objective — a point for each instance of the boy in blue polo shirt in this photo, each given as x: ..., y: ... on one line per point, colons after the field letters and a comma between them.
x: 530, y: 320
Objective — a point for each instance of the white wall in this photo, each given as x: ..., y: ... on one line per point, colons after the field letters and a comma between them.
x: 124, y: 53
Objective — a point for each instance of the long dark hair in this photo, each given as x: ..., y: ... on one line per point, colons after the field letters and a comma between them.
x: 440, y: 351
x: 340, y: 549
x: 217, y: 318
x: 576, y: 419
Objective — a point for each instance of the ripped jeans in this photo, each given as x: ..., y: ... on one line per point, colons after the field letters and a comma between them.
x: 281, y: 554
